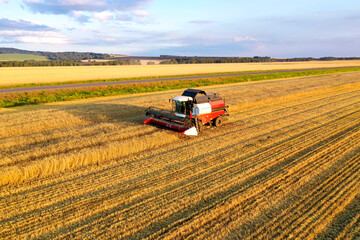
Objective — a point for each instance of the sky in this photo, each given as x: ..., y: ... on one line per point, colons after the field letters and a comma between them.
x: 239, y: 28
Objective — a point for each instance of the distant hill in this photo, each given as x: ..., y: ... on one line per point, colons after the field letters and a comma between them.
x: 13, y: 57
x: 14, y: 50
x: 56, y: 56
x: 22, y: 57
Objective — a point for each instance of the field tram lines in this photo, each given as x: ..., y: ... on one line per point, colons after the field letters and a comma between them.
x: 55, y: 153
x: 350, y: 229
x: 71, y: 145
x: 221, y: 222
x: 302, y: 106
x: 305, y: 113
x: 233, y: 124
x: 284, y: 220
x: 84, y: 157
x: 154, y: 209
x: 294, y: 103
x: 275, y: 186
x: 266, y: 188
x: 79, y: 132
x: 279, y: 227
x: 291, y: 99
x: 74, y: 131
x: 340, y: 196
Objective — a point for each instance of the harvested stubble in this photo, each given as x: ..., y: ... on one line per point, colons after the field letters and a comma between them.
x: 286, y: 165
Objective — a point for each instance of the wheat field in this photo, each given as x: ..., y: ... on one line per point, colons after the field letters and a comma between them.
x: 28, y: 75
x: 286, y: 165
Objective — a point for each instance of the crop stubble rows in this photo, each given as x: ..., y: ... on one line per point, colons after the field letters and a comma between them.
x: 284, y: 167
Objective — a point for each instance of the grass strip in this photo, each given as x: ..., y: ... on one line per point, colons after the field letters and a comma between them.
x: 57, y: 95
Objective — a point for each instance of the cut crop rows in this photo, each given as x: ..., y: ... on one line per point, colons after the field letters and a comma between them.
x: 285, y: 166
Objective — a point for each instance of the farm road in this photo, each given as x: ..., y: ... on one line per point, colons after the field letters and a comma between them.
x: 95, y: 84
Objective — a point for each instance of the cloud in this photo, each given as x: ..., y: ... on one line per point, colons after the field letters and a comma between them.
x: 121, y: 16
x: 27, y: 32
x: 201, y: 22
x: 43, y: 38
x: 34, y: 37
x: 104, y: 16
x: 141, y: 13
x: 8, y: 24
x: 139, y: 16
x: 80, y: 16
x: 84, y: 10
x: 242, y: 39
x: 68, y: 6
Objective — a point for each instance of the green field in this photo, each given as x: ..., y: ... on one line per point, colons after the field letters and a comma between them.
x: 21, y: 57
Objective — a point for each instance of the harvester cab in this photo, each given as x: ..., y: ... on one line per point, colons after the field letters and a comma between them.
x: 182, y: 106
x: 190, y: 112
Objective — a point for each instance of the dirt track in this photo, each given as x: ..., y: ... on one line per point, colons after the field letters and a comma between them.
x: 286, y: 165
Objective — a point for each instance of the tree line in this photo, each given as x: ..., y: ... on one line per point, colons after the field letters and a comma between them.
x: 113, y: 62
x: 33, y: 63
x: 317, y: 59
x: 194, y: 60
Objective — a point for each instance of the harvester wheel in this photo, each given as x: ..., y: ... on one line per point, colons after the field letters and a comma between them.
x: 199, y: 125
x: 218, y: 121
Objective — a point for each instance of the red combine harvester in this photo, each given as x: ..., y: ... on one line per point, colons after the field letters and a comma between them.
x: 191, y: 111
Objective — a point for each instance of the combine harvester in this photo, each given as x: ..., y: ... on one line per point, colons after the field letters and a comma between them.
x: 191, y: 111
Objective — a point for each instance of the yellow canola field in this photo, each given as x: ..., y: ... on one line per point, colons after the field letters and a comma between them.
x: 23, y: 75
x: 285, y: 165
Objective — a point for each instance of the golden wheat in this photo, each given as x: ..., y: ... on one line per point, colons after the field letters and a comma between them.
x: 11, y: 76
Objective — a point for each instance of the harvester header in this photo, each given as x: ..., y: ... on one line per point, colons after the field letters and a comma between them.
x: 190, y: 112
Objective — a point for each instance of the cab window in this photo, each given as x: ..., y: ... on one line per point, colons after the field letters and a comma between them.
x: 180, y: 107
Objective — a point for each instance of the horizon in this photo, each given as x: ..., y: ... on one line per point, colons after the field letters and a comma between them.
x: 169, y: 55
x: 278, y: 28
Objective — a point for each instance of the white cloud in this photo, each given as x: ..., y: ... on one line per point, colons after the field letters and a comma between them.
x: 123, y: 16
x: 82, y: 2
x: 77, y: 14
x: 242, y: 39
x: 104, y: 16
x: 80, y: 16
x: 37, y: 37
x: 42, y: 39
x: 202, y: 22
x: 141, y: 13
x: 82, y: 10
x: 67, y: 6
